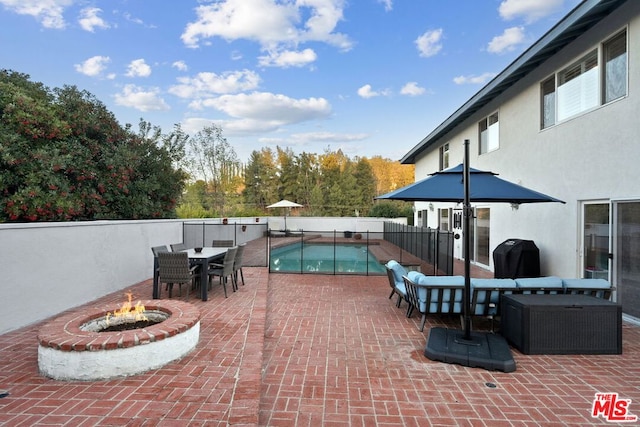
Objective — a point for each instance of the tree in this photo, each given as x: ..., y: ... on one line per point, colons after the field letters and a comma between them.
x: 63, y: 156
x: 366, y: 183
x: 261, y: 179
x: 308, y: 177
x: 214, y: 160
x: 391, y: 175
x: 391, y: 209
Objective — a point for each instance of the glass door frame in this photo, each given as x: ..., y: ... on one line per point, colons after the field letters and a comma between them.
x: 613, y: 275
x: 581, y: 253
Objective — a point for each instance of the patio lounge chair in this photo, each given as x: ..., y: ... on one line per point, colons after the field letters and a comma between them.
x: 395, y: 271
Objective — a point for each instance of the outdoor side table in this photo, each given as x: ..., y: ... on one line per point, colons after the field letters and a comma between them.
x: 561, y: 324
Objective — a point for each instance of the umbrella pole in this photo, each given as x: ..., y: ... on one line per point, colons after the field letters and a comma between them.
x: 467, y: 212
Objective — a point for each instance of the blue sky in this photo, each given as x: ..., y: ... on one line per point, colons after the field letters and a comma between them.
x: 370, y: 77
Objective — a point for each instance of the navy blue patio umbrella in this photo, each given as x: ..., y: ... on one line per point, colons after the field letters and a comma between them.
x: 484, y: 186
x: 462, y: 184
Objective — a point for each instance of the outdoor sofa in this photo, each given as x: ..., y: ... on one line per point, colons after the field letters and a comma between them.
x: 444, y: 294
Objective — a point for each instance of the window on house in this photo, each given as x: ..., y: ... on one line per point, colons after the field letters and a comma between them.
x: 578, y: 87
x: 584, y: 84
x: 444, y: 156
x: 549, y: 102
x: 615, y: 63
x: 443, y: 219
x: 489, y: 130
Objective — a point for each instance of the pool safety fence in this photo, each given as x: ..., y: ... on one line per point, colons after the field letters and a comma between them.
x: 334, y: 252
x: 432, y: 246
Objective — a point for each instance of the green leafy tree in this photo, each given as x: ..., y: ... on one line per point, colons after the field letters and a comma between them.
x: 261, y: 180
x: 287, y: 174
x: 63, y: 156
x: 308, y: 178
x: 194, y: 202
x: 366, y: 184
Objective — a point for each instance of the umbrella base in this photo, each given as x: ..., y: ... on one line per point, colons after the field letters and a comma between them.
x: 483, y: 350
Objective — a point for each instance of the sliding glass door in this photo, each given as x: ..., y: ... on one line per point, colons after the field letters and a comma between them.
x: 627, y: 256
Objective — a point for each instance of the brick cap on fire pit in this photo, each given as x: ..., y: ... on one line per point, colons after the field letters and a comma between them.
x: 64, y: 333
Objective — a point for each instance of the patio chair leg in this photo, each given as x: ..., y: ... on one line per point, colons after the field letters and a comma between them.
x: 424, y: 319
x: 409, y: 310
x: 224, y: 285
x: 393, y: 291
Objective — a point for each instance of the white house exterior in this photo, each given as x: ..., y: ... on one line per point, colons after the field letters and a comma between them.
x: 562, y: 119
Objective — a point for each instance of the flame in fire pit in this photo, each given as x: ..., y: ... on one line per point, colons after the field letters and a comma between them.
x: 128, y: 312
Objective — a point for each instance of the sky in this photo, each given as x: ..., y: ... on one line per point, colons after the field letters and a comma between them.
x: 368, y: 77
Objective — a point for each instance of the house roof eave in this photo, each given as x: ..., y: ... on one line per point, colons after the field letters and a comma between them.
x: 574, y: 24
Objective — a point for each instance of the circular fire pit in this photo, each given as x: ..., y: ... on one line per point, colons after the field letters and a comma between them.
x: 76, y: 347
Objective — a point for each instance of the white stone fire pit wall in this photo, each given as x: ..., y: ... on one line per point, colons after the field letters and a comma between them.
x: 67, y: 353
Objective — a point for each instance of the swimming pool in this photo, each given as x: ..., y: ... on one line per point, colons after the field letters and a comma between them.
x: 325, y: 258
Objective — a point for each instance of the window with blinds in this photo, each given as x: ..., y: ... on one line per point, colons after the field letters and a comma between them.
x: 587, y: 83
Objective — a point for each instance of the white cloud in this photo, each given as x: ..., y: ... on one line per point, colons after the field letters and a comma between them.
x: 429, y: 43
x: 137, y: 21
x: 47, y: 12
x: 473, y: 79
x: 510, y: 38
x: 309, y: 138
x: 328, y: 137
x: 271, y: 23
x: 208, y: 84
x: 89, y: 19
x: 243, y: 127
x: 269, y: 107
x: 367, y: 92
x: 93, y: 66
x: 138, y: 68
x: 144, y: 100
x: 288, y: 58
x: 529, y: 10
x: 412, y: 89
x: 388, y: 4
x: 259, y: 112
x: 180, y: 65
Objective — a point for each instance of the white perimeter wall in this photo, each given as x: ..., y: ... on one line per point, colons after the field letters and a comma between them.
x: 51, y: 267
x: 47, y: 268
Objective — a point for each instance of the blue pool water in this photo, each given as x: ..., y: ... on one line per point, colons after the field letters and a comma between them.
x: 325, y: 258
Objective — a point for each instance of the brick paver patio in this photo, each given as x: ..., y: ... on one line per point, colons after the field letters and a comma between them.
x: 307, y: 350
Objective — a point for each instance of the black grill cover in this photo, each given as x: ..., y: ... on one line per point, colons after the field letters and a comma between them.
x: 516, y: 258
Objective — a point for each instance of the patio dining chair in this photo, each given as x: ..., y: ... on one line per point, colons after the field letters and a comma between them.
x: 224, y: 270
x: 237, y: 265
x: 175, y: 269
x: 221, y: 243
x: 156, y: 250
x: 177, y: 247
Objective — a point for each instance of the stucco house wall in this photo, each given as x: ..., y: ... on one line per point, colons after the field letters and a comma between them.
x: 592, y: 156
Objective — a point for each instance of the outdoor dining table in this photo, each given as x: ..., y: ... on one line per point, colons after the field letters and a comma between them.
x: 202, y: 259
